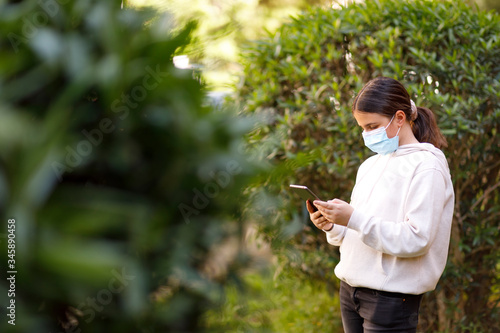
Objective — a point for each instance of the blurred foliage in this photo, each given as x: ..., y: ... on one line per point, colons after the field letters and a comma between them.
x: 302, y: 81
x: 278, y: 304
x: 122, y: 180
x: 488, y: 4
x: 224, y: 26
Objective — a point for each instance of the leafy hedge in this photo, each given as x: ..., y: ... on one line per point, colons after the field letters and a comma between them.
x: 122, y: 182
x: 303, y: 78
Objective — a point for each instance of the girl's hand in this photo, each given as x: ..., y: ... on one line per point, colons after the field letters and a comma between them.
x: 319, y: 220
x: 335, y: 211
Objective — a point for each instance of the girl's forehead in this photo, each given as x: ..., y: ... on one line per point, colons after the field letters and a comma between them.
x: 365, y: 118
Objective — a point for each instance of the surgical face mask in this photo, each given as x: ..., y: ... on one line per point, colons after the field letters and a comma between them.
x: 378, y: 141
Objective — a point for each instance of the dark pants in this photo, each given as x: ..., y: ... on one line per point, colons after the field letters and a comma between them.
x: 368, y: 310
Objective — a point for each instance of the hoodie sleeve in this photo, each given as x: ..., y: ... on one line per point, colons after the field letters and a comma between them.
x: 414, y: 235
x: 336, y: 235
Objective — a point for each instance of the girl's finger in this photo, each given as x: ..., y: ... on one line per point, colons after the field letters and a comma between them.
x: 319, y: 203
x: 322, y: 204
x: 316, y: 215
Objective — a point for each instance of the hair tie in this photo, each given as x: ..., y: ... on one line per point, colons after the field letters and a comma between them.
x: 414, y: 112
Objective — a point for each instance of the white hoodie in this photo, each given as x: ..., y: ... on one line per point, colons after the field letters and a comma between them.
x: 398, y: 235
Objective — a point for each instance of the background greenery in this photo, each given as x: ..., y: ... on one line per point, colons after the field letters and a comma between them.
x: 276, y: 304
x: 224, y: 26
x: 303, y: 79
x: 227, y: 25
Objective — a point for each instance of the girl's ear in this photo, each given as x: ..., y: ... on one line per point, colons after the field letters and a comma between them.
x: 400, y: 117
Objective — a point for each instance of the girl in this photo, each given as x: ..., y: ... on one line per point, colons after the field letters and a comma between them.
x: 394, y: 235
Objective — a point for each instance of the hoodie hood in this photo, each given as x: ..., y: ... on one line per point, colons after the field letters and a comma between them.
x: 416, y: 147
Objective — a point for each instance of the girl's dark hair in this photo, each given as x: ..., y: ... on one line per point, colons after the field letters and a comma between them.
x: 386, y: 96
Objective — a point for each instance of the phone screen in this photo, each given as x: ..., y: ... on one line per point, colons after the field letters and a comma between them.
x: 305, y: 193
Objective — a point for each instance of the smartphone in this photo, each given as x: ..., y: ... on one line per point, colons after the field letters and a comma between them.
x: 305, y: 193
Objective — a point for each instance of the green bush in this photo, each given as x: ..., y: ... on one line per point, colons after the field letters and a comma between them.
x: 121, y: 180
x: 276, y: 305
x: 303, y: 78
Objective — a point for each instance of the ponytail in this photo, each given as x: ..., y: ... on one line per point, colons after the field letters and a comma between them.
x: 425, y: 128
